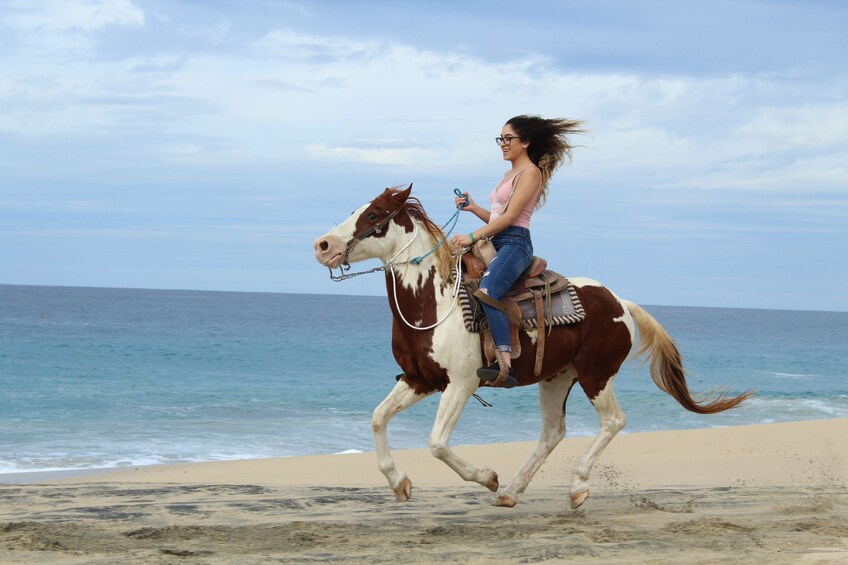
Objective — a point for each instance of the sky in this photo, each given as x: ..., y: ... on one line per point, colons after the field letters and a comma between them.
x: 205, y: 145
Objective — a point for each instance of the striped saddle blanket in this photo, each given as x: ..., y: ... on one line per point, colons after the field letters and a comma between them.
x: 562, y: 308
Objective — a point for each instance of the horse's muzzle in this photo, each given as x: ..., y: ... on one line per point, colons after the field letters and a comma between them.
x: 329, y: 250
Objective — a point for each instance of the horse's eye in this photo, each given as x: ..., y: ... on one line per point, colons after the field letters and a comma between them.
x: 372, y: 216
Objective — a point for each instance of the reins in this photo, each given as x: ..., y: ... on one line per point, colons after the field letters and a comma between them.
x: 391, y: 264
x: 457, y: 282
x: 378, y: 228
x: 454, y: 219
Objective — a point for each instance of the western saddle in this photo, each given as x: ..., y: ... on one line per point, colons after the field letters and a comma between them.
x: 535, y: 286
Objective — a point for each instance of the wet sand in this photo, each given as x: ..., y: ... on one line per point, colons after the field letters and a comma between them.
x: 775, y: 493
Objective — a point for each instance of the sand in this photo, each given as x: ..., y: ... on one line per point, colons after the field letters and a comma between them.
x: 774, y: 493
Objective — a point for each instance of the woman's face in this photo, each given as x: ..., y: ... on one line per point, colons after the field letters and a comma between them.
x: 512, y: 146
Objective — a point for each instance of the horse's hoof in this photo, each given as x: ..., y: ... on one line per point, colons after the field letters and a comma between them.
x: 492, y: 484
x: 578, y: 498
x: 506, y: 501
x: 404, y: 491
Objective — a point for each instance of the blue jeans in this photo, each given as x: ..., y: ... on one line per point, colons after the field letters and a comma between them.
x: 515, y: 253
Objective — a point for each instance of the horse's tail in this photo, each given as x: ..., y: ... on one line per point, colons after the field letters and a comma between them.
x: 667, y: 366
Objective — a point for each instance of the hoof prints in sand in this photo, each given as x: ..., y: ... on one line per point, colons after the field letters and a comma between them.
x: 208, y: 524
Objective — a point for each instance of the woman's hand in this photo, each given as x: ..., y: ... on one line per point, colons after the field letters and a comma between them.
x: 471, y: 206
x: 461, y: 240
x: 466, y: 201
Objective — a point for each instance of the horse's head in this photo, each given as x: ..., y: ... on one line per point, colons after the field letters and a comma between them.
x: 364, y: 234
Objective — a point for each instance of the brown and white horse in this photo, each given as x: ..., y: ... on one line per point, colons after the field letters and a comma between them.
x: 437, y: 353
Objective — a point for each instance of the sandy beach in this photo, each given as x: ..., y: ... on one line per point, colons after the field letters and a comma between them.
x: 773, y: 493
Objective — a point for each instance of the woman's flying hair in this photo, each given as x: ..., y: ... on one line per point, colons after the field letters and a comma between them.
x: 549, y: 143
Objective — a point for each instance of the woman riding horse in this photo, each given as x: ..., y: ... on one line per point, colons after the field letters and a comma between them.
x: 438, y: 354
x: 535, y: 147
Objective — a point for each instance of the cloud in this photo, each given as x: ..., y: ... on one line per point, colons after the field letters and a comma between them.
x: 288, y: 97
x: 291, y: 45
x: 66, y: 15
x: 375, y: 156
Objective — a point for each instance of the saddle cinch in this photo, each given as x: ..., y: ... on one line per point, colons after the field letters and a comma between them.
x: 539, y: 300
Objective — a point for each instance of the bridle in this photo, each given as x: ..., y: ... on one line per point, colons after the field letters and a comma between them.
x: 344, y: 265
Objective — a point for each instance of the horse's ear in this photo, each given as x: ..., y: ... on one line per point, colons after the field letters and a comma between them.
x: 402, y: 195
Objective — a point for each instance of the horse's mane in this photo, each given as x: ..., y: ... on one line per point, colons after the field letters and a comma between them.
x: 443, y: 255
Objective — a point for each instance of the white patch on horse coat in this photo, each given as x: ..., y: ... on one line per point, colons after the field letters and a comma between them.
x: 454, y: 348
x: 580, y: 282
x: 410, y: 277
x: 612, y: 421
x: 625, y: 318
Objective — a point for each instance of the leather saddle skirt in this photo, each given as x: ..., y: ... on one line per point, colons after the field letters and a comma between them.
x: 561, y: 304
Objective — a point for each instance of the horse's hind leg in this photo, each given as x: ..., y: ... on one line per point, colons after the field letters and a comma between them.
x: 399, y: 399
x: 612, y: 421
x: 552, y: 396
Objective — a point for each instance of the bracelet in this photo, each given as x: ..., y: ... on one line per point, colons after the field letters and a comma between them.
x: 473, y: 239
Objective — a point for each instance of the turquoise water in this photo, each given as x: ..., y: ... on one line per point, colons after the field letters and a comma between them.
x: 94, y: 378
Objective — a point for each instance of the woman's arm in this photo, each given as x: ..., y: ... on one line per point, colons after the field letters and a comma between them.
x: 528, y: 183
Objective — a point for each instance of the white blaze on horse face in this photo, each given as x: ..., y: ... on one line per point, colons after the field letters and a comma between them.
x: 330, y: 247
x: 347, y: 228
x: 382, y: 247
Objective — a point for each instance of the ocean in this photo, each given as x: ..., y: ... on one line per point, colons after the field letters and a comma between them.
x: 96, y: 378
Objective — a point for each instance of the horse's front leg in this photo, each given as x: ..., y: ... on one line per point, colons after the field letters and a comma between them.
x: 451, y: 405
x: 399, y: 399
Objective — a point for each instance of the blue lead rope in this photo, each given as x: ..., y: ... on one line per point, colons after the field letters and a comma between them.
x: 453, y: 220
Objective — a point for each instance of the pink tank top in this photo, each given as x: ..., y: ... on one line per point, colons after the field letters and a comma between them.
x: 500, y: 196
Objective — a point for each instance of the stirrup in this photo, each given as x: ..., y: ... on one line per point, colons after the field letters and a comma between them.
x: 497, y: 373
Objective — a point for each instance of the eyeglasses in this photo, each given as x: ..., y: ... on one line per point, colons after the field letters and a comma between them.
x: 506, y: 140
